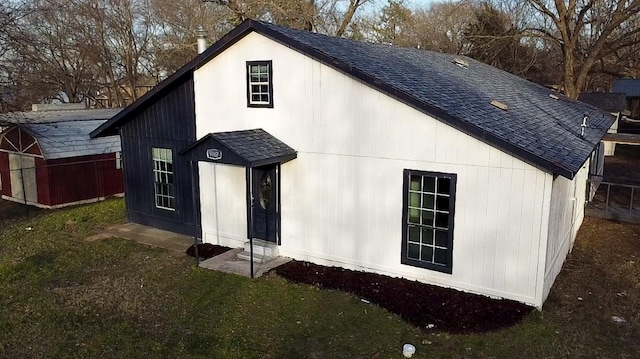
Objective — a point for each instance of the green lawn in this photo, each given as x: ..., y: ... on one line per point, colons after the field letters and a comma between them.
x: 63, y: 296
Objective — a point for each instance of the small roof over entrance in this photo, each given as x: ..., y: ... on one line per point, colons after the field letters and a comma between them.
x: 248, y: 148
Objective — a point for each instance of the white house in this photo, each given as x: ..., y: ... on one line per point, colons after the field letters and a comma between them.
x: 403, y: 162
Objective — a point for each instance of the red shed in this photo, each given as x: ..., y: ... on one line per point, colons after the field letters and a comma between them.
x: 48, y: 160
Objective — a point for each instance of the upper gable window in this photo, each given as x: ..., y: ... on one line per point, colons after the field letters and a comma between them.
x: 259, y: 84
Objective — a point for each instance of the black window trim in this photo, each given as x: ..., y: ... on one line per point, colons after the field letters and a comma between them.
x: 405, y: 205
x: 153, y: 175
x: 269, y: 64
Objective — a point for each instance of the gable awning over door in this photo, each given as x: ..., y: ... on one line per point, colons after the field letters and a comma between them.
x: 248, y: 148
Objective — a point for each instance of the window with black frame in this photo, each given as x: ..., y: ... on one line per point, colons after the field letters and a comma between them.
x: 429, y: 206
x: 164, y: 178
x: 259, y: 84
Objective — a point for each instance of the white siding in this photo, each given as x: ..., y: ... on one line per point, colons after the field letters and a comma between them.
x: 224, y: 209
x: 565, y: 217
x: 342, y: 197
x: 23, y: 178
x: 610, y: 147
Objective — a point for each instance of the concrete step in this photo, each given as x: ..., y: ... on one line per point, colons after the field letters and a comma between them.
x: 262, y: 248
x: 257, y: 258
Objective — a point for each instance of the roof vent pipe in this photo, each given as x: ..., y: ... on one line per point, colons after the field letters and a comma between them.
x: 584, y: 125
x: 202, y: 39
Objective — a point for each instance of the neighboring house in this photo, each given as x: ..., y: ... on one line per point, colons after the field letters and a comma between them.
x: 48, y: 160
x: 408, y: 163
x: 614, y: 103
x: 631, y: 89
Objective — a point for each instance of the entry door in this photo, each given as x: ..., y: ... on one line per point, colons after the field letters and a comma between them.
x: 266, y: 203
x: 23, y: 178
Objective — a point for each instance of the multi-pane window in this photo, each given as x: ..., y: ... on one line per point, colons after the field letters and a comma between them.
x: 259, y: 84
x: 164, y: 179
x: 429, y: 201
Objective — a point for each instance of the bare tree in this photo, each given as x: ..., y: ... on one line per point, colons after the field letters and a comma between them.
x: 10, y: 13
x: 74, y: 50
x: 176, y: 30
x: 439, y: 27
x: 586, y: 32
x: 333, y: 17
x: 396, y: 25
x: 49, y: 54
x: 125, y: 45
x: 494, y: 39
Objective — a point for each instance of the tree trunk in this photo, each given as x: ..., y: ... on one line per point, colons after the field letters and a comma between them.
x: 348, y: 16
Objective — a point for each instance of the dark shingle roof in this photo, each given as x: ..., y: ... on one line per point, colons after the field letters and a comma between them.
x: 630, y: 87
x: 250, y: 148
x: 610, y: 102
x: 536, y: 128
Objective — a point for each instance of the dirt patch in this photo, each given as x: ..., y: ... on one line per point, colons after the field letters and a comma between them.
x: 11, y: 212
x: 423, y: 305
x: 99, y: 237
x: 206, y: 250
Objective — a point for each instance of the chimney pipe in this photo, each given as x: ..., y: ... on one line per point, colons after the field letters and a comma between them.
x: 202, y: 39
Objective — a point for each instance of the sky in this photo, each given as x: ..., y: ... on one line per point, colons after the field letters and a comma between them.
x: 419, y: 3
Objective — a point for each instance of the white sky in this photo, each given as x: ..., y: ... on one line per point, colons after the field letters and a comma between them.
x: 419, y: 3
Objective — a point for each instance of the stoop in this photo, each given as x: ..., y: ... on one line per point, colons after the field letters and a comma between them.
x: 263, y: 251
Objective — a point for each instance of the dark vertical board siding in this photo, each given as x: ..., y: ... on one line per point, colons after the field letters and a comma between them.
x: 169, y: 122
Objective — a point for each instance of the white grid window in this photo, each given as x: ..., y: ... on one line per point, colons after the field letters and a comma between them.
x: 260, y: 91
x: 164, y: 179
x: 429, y: 203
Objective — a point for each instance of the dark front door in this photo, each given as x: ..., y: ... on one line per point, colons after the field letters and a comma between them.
x: 266, y: 203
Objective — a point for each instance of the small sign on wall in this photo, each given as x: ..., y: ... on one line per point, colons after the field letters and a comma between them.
x: 214, y: 154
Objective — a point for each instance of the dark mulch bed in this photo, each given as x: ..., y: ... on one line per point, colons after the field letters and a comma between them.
x: 420, y: 304
x: 206, y: 250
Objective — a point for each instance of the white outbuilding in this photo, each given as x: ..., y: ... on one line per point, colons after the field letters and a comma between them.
x: 398, y: 161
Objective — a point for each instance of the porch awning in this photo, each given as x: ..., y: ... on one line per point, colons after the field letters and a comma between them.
x: 248, y: 148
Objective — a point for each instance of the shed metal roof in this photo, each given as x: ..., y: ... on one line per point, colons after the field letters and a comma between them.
x: 64, y: 134
x: 538, y: 128
x: 630, y: 87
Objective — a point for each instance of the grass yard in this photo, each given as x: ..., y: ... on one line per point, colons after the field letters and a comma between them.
x: 63, y: 296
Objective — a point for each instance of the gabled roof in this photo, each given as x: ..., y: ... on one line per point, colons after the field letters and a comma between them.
x: 539, y: 127
x: 607, y: 101
x: 249, y: 148
x: 64, y: 134
x: 630, y: 87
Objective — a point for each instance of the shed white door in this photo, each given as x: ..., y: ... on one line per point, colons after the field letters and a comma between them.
x: 23, y: 177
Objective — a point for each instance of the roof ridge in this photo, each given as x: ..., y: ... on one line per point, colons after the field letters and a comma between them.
x: 432, y: 83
